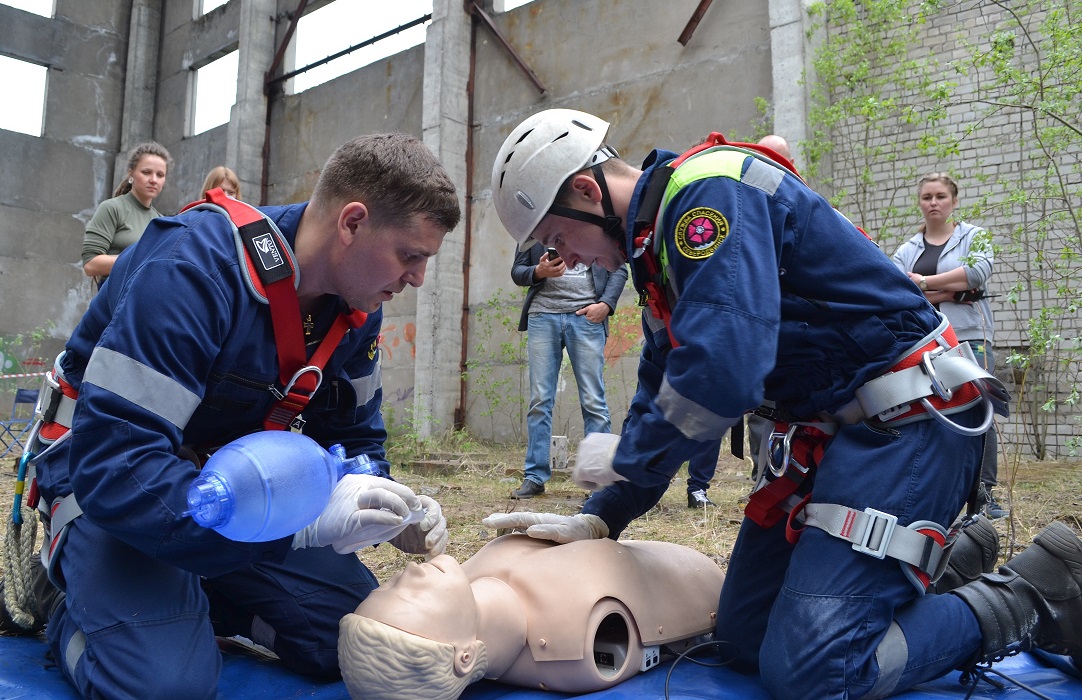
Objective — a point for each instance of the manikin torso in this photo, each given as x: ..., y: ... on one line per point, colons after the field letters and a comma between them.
x: 575, y: 617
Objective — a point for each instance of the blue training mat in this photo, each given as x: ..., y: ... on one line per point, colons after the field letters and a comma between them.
x: 25, y: 672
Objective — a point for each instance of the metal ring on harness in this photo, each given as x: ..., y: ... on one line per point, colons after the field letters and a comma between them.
x: 986, y: 424
x: 778, y: 470
x: 943, y: 392
x: 310, y: 368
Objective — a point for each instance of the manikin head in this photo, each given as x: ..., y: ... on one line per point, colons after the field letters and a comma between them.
x: 551, y: 184
x: 414, y: 636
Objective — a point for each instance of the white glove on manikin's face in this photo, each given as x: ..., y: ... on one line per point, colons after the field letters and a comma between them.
x: 362, y: 510
x: 593, y: 461
x: 549, y: 526
x: 428, y: 537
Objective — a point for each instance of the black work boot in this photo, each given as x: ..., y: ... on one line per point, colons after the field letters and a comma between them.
x: 1034, y: 601
x: 529, y: 489
x: 974, y: 553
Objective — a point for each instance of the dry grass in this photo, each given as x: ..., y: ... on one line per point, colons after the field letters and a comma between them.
x: 482, y: 477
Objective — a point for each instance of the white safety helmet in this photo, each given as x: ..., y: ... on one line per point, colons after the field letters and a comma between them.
x: 536, y: 159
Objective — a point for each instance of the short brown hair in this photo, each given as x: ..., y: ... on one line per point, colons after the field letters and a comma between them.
x: 394, y: 175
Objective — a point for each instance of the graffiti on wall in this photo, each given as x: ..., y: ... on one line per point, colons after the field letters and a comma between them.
x: 390, y: 340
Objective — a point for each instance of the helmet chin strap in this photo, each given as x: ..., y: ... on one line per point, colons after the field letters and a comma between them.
x: 610, y: 223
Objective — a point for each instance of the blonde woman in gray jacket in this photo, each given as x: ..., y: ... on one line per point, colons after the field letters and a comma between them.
x: 951, y: 261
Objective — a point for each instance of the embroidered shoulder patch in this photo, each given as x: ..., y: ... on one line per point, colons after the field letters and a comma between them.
x: 700, y: 232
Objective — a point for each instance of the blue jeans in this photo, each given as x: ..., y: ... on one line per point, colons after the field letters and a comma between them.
x: 548, y: 336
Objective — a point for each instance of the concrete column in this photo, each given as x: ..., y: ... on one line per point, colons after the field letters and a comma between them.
x: 140, y: 80
x: 247, y: 119
x: 440, y: 300
x: 791, y: 55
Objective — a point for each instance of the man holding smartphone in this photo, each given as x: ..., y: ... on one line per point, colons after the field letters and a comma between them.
x: 565, y: 308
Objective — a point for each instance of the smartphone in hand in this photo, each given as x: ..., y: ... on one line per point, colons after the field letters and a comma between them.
x: 553, y: 255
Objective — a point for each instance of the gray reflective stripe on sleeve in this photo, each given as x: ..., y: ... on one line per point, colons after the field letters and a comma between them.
x: 693, y: 420
x: 892, y: 655
x: 74, y: 651
x: 366, y: 387
x: 763, y: 177
x: 147, y: 388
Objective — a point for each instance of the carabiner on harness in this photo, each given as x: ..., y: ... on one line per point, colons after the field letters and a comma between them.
x: 942, y: 391
x: 785, y: 442
x: 280, y: 394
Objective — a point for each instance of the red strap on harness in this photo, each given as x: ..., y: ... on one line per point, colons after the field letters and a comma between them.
x: 765, y: 506
x: 655, y: 298
x: 963, y: 395
x: 298, y: 376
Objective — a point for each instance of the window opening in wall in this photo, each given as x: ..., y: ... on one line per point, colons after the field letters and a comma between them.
x: 202, y: 7
x: 24, y: 95
x: 214, y: 91
x: 38, y: 7
x: 346, y: 24
x: 508, y: 5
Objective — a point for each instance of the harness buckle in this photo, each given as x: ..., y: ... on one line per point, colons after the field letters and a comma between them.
x: 926, y: 360
x: 280, y: 394
x: 878, y: 528
x: 48, y: 398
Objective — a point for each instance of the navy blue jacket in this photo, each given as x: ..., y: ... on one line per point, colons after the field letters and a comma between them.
x: 174, y: 351
x: 780, y: 297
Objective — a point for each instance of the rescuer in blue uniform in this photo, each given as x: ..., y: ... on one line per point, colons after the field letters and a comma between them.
x: 757, y: 289
x: 177, y: 356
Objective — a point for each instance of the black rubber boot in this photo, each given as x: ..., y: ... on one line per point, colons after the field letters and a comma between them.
x: 974, y: 553
x: 1034, y: 601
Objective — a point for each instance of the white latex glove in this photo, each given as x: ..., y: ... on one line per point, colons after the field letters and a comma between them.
x: 593, y: 461
x: 550, y: 526
x: 363, y: 510
x: 428, y: 537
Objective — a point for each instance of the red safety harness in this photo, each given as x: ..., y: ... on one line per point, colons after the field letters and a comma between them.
x: 273, y: 275
x: 797, y: 448
x: 649, y: 275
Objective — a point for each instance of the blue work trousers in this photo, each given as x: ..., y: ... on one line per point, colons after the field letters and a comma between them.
x: 547, y: 337
x: 702, y: 466
x: 132, y: 626
x: 810, y: 617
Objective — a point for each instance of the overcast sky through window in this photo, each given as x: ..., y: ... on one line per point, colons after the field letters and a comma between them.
x: 320, y: 34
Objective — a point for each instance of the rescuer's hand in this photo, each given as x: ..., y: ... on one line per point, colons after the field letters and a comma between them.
x: 428, y: 537
x: 550, y: 526
x: 593, y: 461
x: 362, y: 510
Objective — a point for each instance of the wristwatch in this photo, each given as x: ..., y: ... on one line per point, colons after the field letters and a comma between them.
x: 923, y: 283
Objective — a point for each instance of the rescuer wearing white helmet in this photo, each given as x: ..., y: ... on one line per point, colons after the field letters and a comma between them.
x: 755, y: 289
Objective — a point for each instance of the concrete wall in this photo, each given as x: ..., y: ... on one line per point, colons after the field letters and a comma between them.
x: 629, y: 69
x: 120, y: 73
x: 50, y: 186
